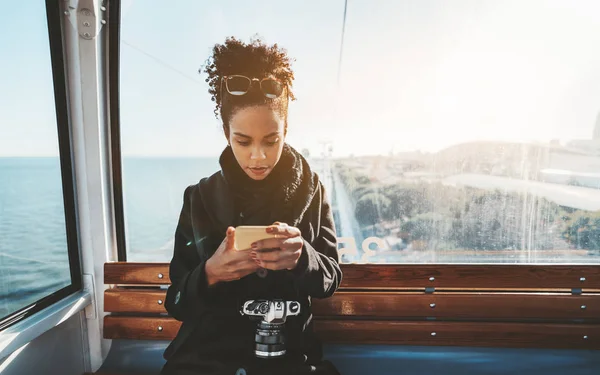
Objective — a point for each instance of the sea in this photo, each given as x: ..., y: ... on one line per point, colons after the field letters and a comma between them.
x: 33, y: 245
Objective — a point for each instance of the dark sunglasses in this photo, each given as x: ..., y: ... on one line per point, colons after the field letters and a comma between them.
x: 240, y: 85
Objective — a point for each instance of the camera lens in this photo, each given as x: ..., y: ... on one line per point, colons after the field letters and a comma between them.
x: 270, y: 340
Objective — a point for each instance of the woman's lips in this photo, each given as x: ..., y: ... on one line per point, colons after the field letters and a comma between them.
x: 258, y: 170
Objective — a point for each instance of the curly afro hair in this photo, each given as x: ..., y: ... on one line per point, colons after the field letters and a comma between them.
x: 254, y: 59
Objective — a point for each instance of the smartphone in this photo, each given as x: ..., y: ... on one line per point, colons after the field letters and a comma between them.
x: 245, y: 235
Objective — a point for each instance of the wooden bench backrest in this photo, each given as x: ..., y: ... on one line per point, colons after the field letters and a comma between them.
x: 459, y: 305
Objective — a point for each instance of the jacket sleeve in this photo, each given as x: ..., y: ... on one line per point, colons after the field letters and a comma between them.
x: 188, y: 295
x: 318, y: 272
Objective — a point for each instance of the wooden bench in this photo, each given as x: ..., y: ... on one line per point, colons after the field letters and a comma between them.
x: 458, y: 305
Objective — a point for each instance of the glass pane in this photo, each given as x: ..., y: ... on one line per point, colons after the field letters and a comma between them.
x: 33, y: 246
x: 462, y: 132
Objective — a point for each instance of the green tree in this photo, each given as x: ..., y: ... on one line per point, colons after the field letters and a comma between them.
x: 407, y: 200
x: 433, y: 228
x: 582, y: 229
x: 371, y: 208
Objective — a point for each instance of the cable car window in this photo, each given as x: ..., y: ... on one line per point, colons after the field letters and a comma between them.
x: 463, y: 132
x: 39, y: 262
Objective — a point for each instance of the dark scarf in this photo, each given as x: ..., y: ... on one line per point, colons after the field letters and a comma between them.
x: 284, y: 195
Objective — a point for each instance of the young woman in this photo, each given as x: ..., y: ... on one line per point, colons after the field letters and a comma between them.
x: 262, y: 181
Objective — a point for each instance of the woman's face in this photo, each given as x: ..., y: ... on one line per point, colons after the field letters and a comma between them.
x: 256, y: 136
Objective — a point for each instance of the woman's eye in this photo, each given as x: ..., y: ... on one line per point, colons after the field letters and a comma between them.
x: 243, y: 143
x: 272, y: 143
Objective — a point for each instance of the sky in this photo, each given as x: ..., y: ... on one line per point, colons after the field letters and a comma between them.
x: 414, y: 75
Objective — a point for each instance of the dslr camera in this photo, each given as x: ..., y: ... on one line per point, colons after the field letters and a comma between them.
x: 270, y: 336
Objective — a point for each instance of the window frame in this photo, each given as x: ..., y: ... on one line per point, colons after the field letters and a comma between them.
x: 57, y: 53
x: 113, y: 65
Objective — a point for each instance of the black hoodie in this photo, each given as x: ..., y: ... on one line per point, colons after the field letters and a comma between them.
x: 213, y: 329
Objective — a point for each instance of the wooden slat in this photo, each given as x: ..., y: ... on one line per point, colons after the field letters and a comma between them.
x: 136, y: 273
x: 524, y: 335
x: 412, y: 276
x: 405, y: 304
x: 516, y: 306
x: 140, y: 328
x: 520, y: 335
x: 134, y: 300
x: 475, y: 276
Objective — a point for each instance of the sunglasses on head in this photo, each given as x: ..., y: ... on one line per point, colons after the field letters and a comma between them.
x: 240, y: 85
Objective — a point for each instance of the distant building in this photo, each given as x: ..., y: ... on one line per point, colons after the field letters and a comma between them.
x: 589, y: 146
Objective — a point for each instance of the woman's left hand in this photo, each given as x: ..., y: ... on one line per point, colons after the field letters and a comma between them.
x: 284, y: 250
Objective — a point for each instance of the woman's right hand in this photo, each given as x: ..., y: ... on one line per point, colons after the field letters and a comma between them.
x: 228, y: 264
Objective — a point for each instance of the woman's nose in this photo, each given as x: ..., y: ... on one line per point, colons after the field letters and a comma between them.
x: 258, y: 154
